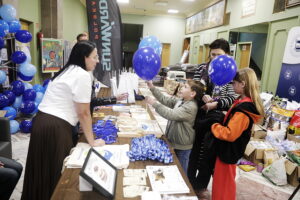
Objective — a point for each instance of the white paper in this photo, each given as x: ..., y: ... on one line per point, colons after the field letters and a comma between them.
x: 166, y: 180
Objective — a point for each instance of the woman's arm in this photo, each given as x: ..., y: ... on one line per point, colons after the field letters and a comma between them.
x: 84, y: 115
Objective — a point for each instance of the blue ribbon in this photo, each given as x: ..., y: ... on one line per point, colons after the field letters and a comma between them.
x: 149, y: 147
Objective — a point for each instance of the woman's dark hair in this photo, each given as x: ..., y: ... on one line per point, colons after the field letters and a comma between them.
x: 220, y: 44
x: 79, y: 52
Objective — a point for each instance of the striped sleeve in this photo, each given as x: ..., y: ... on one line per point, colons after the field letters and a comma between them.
x: 227, y: 96
x: 199, y: 72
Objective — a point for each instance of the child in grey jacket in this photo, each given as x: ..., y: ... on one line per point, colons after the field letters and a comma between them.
x: 181, y: 113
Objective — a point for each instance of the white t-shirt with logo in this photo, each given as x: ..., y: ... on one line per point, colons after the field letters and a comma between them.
x: 73, y: 85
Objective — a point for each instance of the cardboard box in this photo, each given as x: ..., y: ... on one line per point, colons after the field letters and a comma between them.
x: 293, y: 173
x: 293, y: 138
x: 258, y: 132
x: 253, y: 154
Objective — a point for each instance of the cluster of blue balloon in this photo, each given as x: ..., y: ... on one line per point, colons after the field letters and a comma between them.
x: 146, y: 60
x: 24, y: 98
x: 222, y: 70
x: 9, y: 24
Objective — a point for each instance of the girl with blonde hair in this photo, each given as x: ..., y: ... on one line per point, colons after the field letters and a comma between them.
x: 234, y: 133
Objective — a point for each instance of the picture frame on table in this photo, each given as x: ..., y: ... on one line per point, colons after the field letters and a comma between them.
x: 100, y: 173
x: 291, y: 3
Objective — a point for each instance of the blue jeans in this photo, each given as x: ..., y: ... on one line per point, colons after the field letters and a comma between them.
x: 183, y: 157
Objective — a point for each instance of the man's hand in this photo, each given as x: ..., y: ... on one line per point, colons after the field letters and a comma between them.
x: 1, y: 165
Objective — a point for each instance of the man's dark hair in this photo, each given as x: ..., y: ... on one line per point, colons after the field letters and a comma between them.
x: 220, y: 44
x: 79, y: 36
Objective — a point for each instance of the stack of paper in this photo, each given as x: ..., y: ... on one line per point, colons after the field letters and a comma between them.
x: 166, y: 180
x: 115, y: 154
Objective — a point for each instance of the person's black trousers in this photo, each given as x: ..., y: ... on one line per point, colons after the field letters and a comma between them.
x: 9, y: 177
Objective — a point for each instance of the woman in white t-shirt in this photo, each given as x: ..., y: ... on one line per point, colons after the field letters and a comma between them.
x: 66, y: 101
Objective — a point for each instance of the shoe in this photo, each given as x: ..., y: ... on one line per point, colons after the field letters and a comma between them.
x: 203, y: 194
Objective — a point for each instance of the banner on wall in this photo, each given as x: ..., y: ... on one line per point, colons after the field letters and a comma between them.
x: 104, y: 22
x: 289, y: 79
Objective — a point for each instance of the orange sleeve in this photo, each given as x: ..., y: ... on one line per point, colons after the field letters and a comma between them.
x: 236, y: 125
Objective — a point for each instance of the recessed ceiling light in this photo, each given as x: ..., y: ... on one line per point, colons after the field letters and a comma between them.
x: 172, y: 11
x: 161, y: 3
x: 123, y: 1
x: 189, y: 0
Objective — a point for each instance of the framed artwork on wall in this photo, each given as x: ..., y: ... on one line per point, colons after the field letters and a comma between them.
x: 52, y: 55
x: 290, y: 3
x: 210, y: 17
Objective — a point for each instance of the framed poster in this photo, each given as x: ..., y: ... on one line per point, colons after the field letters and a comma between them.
x: 100, y: 173
x: 290, y: 3
x: 208, y: 18
x: 248, y: 7
x: 52, y: 55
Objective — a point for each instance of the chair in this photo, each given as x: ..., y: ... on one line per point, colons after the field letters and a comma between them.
x: 5, y: 138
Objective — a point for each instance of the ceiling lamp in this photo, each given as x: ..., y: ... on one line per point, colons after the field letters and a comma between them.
x: 172, y: 11
x: 123, y: 1
x: 161, y: 3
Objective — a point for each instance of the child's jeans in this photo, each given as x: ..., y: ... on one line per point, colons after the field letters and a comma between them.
x: 183, y: 157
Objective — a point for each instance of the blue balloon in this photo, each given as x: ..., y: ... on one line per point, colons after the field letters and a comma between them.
x: 3, y: 100
x: 146, y: 63
x: 3, y: 28
x: 2, y: 43
x: 18, y: 57
x: 26, y: 126
x: 14, y: 26
x: 11, y: 113
x: 27, y: 107
x: 27, y: 69
x: 46, y: 82
x: 17, y: 87
x: 18, y: 102
x: 27, y: 86
x: 24, y: 78
x: 10, y: 95
x: 222, y: 70
x: 29, y: 95
x: 2, y: 76
x: 14, y: 126
x: 23, y: 36
x: 151, y: 41
x: 8, y: 12
x: 39, y: 97
x: 36, y: 108
x: 39, y: 88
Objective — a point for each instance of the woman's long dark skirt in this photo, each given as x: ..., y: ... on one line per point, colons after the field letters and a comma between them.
x: 50, y: 143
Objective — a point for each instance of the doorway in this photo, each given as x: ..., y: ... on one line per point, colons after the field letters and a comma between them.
x: 165, y: 54
x: 243, y: 54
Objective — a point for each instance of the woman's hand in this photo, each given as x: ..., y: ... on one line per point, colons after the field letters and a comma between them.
x: 207, y: 99
x: 150, y: 100
x: 210, y: 106
x: 150, y: 84
x: 98, y: 143
x: 122, y: 96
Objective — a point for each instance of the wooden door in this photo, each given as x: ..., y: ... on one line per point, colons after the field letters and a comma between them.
x: 165, y: 55
x: 207, y: 51
x: 243, y: 54
x: 200, y: 55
